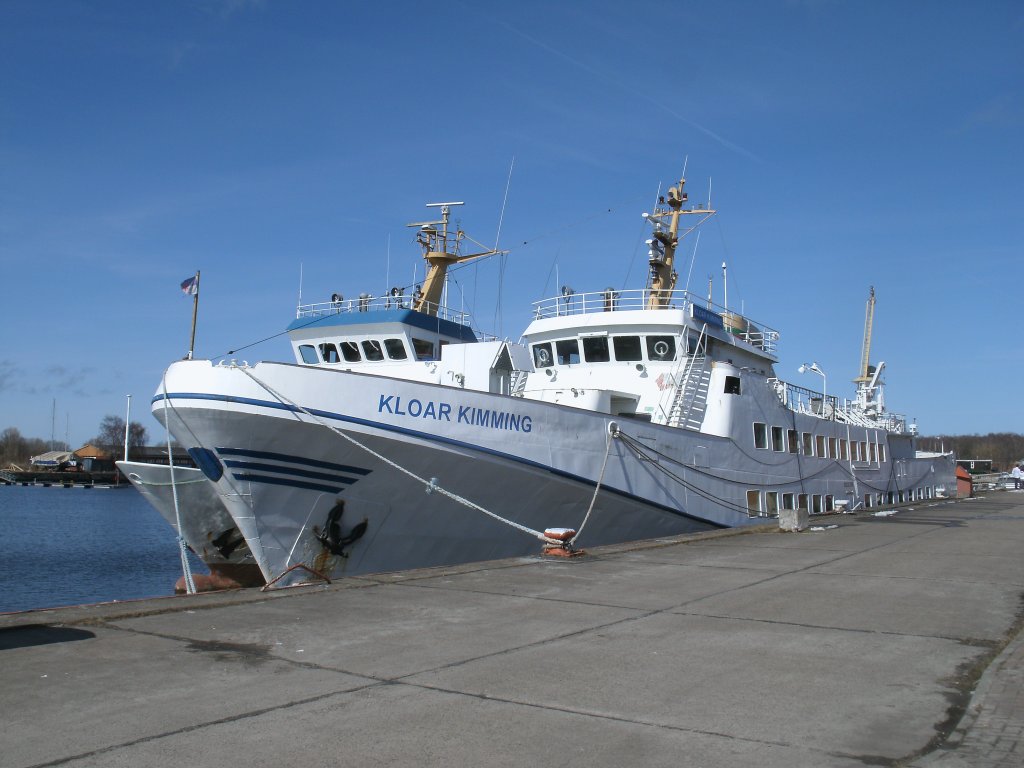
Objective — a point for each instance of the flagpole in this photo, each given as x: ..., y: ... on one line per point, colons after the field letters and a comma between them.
x: 195, y: 312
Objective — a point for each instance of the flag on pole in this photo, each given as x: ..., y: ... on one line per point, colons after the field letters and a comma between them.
x: 190, y: 287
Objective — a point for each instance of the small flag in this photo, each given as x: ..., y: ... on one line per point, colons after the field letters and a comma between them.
x: 190, y: 287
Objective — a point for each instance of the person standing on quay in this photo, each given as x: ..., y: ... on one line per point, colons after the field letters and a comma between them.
x: 1017, y: 476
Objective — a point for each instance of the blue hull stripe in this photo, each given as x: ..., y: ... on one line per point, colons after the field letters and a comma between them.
x: 429, y: 437
x: 288, y: 471
x: 285, y: 481
x: 292, y: 459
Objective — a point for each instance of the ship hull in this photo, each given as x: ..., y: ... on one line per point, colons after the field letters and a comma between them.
x: 288, y: 442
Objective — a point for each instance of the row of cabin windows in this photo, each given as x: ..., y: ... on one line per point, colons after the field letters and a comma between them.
x: 899, y: 497
x: 370, y: 350
x: 602, y: 349
x: 768, y: 503
x: 789, y: 440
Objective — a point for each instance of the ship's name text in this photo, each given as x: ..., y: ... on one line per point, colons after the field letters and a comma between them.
x: 461, y: 414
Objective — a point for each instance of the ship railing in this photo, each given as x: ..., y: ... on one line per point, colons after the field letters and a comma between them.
x: 803, y: 400
x: 376, y: 304
x: 611, y: 300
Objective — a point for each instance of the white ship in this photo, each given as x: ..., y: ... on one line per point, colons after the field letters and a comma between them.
x: 400, y: 438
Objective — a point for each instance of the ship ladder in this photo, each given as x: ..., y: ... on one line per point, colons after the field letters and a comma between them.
x: 690, y: 399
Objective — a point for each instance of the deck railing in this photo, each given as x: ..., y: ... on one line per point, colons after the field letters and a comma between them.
x: 803, y: 400
x: 610, y: 300
x: 376, y: 304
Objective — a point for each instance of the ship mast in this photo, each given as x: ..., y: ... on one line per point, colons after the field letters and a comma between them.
x: 664, y: 241
x: 441, y: 250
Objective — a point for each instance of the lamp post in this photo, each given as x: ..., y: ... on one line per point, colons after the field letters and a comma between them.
x: 824, y: 384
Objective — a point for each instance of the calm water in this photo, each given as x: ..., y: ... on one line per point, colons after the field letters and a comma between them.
x: 66, y: 546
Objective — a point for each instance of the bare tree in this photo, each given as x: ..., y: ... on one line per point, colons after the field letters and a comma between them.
x: 111, y: 436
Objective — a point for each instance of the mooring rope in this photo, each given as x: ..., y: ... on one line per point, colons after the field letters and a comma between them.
x: 613, y: 431
x: 431, y: 485
x: 190, y: 586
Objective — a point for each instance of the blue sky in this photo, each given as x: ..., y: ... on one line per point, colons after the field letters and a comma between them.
x: 846, y: 144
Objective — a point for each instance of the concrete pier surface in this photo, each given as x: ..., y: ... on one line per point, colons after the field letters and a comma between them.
x: 884, y: 641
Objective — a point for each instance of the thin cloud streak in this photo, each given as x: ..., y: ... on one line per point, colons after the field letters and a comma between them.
x: 632, y: 91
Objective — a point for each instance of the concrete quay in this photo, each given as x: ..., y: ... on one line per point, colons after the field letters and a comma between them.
x: 883, y: 641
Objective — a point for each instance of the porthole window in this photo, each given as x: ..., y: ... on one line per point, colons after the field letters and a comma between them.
x: 661, y: 347
x: 542, y: 355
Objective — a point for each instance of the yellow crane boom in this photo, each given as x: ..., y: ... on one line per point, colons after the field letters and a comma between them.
x: 865, y: 355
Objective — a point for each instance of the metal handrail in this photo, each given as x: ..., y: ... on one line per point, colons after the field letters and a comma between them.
x: 754, y: 333
x: 376, y: 304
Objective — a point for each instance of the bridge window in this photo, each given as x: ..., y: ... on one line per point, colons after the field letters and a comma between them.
x: 396, y: 349
x: 542, y: 355
x: 350, y: 351
x: 308, y: 353
x: 661, y: 347
x: 819, y: 446
x: 627, y: 348
x: 568, y: 351
x: 793, y: 444
x: 595, y: 349
x: 788, y: 501
x: 808, y: 441
x: 329, y: 352
x: 372, y: 350
x: 777, y: 444
x: 424, y: 349
x: 771, y: 499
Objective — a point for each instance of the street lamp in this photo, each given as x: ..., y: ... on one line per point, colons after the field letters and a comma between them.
x: 824, y: 384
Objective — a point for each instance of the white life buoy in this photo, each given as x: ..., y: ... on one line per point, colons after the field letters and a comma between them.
x: 661, y: 349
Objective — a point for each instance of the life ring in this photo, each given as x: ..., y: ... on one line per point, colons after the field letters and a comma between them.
x: 543, y: 357
x: 661, y: 349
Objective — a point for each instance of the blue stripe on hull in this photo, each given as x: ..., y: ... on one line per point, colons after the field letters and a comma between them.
x: 285, y: 481
x: 293, y: 459
x: 288, y: 471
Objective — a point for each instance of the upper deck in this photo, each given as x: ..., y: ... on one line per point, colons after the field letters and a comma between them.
x: 371, y: 310
x: 680, y: 304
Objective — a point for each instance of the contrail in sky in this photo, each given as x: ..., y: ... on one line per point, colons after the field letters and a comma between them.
x: 597, y: 73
